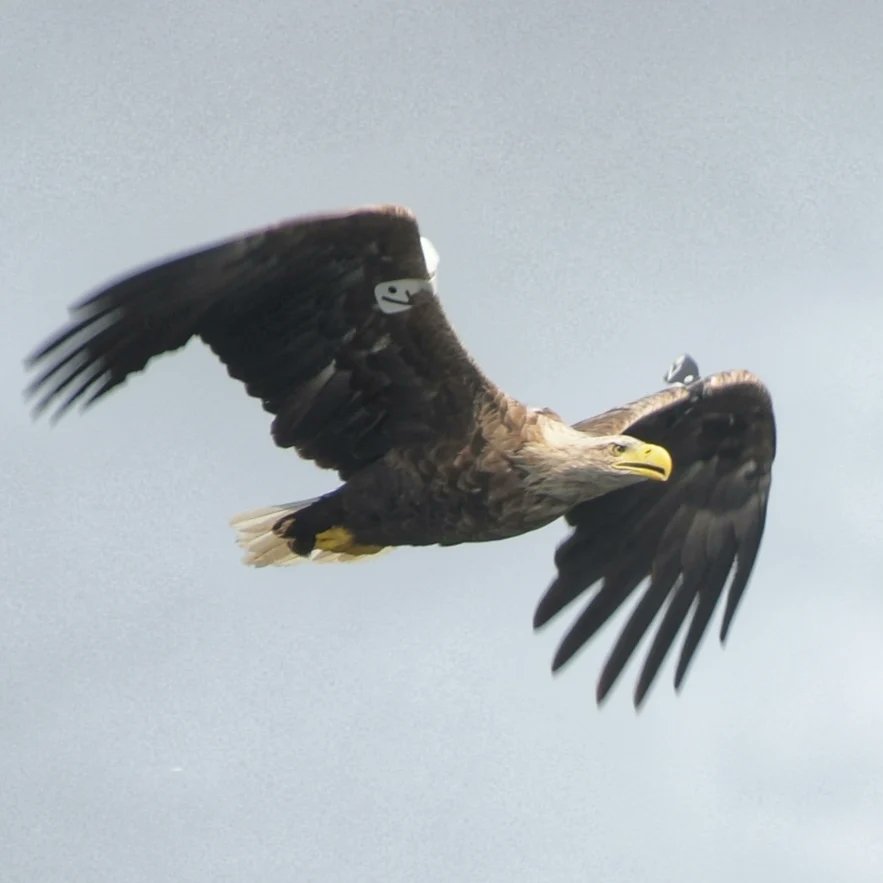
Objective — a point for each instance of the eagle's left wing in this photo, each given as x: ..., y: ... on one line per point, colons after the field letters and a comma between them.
x: 331, y: 321
x: 685, y: 534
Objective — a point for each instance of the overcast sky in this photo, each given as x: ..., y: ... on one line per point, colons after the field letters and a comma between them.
x: 608, y: 184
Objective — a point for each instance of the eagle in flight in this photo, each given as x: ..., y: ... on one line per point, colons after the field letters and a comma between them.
x: 334, y: 323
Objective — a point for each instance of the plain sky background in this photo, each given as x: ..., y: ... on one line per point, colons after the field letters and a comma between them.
x: 608, y: 184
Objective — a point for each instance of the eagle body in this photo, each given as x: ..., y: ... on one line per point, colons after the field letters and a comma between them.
x: 467, y: 489
x: 334, y: 323
x: 518, y: 470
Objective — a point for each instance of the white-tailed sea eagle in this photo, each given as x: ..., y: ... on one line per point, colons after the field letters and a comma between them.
x: 334, y: 324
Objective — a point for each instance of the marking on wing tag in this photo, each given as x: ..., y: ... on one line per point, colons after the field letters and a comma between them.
x: 397, y: 295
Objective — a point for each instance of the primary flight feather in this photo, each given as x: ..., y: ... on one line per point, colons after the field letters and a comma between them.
x: 334, y: 323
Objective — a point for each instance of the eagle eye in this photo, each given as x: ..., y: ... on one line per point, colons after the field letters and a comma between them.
x: 617, y: 448
x: 392, y: 289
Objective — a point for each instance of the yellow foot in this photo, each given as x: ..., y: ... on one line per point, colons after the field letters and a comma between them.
x: 339, y: 539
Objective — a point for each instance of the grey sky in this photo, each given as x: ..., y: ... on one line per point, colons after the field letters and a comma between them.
x: 608, y: 184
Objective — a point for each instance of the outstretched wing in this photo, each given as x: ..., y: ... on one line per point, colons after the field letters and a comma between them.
x: 331, y: 321
x: 686, y: 534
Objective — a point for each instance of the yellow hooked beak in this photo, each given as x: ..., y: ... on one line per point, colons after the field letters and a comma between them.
x: 648, y: 461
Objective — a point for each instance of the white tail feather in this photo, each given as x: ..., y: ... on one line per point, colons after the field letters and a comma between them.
x: 254, y: 533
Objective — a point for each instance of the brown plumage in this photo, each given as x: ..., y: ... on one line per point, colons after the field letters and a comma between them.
x: 334, y: 324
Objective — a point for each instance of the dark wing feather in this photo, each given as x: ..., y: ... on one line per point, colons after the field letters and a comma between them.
x: 685, y: 534
x: 291, y: 311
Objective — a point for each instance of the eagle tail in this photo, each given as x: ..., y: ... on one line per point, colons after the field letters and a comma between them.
x: 270, y: 536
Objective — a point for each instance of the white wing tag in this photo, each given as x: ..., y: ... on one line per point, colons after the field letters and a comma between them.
x: 397, y: 295
x: 430, y: 258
